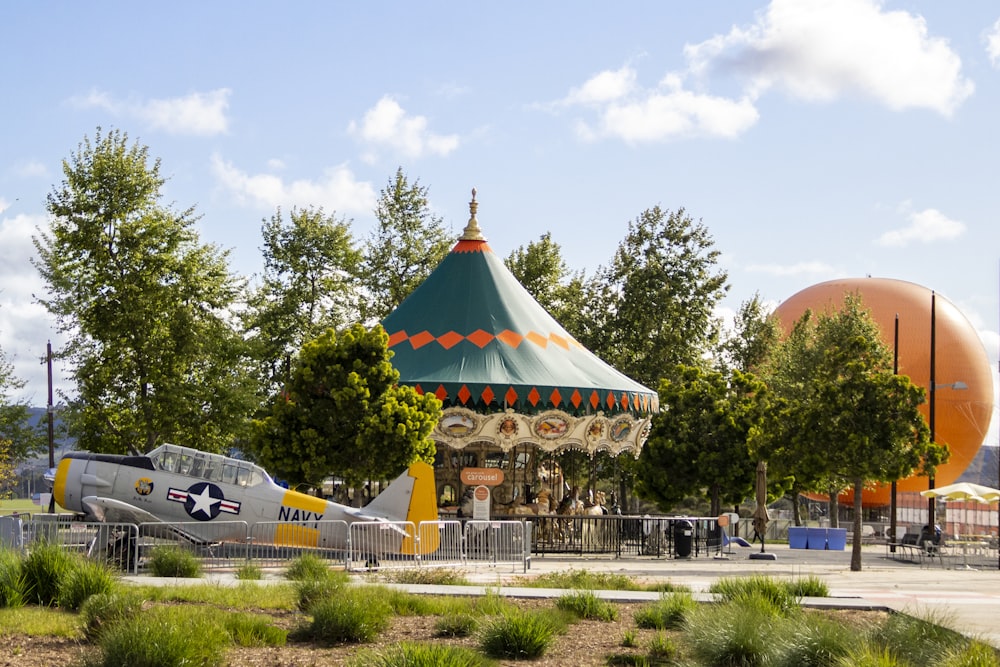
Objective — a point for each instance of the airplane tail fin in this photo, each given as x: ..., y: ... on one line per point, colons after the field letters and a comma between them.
x: 411, y: 497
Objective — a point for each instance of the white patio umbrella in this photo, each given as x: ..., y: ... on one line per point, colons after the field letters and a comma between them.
x: 964, y: 491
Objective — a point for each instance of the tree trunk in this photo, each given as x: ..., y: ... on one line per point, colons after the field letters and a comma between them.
x: 796, y: 507
x: 833, y: 510
x: 856, y: 542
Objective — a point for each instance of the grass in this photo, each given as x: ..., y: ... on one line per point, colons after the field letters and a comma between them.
x: 667, y: 613
x: 11, y: 579
x: 351, y: 616
x: 413, y: 654
x: 83, y: 579
x: 173, y: 561
x: 518, y: 635
x: 586, y: 605
x: 163, y: 637
x: 776, y: 592
x: 101, y: 611
x: 249, y: 572
x: 43, y: 571
x: 40, y: 622
x: 253, y: 630
x: 745, y: 632
x: 308, y: 567
x: 456, y: 625
x: 594, y: 581
x: 425, y: 575
x: 248, y: 595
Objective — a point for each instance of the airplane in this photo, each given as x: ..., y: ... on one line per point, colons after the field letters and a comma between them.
x: 202, y: 497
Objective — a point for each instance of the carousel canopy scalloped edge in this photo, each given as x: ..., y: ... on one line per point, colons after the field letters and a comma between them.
x: 550, y: 431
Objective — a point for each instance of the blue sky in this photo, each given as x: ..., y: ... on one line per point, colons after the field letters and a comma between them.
x: 814, y: 139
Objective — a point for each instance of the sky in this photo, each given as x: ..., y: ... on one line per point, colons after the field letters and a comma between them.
x: 814, y: 139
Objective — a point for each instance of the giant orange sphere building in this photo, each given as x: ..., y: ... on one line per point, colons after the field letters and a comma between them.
x: 963, y: 395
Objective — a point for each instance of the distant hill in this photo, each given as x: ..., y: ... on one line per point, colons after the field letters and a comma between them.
x: 984, y: 468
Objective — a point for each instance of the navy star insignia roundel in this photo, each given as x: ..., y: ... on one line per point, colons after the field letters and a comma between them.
x: 203, y: 501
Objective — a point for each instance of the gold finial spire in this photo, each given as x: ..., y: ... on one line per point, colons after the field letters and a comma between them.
x: 472, y: 231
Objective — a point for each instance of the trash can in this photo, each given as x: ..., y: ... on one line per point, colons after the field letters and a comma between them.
x: 683, y: 538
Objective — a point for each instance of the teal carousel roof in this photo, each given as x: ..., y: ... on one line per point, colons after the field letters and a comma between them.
x: 474, y: 337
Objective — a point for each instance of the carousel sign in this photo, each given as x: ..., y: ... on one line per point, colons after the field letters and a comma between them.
x: 482, y: 476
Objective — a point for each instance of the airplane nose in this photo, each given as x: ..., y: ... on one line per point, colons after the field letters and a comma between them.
x: 50, y: 476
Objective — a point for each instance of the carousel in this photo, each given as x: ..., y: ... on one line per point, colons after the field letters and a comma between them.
x: 516, y: 388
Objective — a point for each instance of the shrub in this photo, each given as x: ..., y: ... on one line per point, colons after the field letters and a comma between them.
x: 12, y: 581
x: 254, y: 630
x: 102, y: 610
x: 586, y: 605
x: 868, y: 655
x: 581, y: 580
x: 351, y: 616
x: 668, y: 613
x: 173, y: 561
x: 921, y: 641
x: 518, y: 635
x: 491, y: 604
x: 976, y: 654
x: 410, y: 654
x: 44, y: 569
x: 181, y: 638
x: 310, y: 591
x: 85, y: 578
x: 629, y: 639
x: 426, y: 575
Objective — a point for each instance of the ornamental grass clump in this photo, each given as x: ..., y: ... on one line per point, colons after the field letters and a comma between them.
x: 414, y: 654
x: 813, y: 640
x: 170, y: 560
x: 456, y: 625
x: 11, y: 579
x: 745, y: 632
x: 253, y: 630
x: 43, y: 570
x: 163, y: 637
x: 586, y: 605
x: 83, y: 579
x: 518, y: 635
x: 102, y: 610
x: 918, y: 641
x: 667, y: 613
x: 732, y: 589
x: 352, y: 615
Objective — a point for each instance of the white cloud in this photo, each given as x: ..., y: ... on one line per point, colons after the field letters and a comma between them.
x: 387, y: 125
x: 925, y: 226
x: 993, y: 44
x: 666, y: 112
x: 337, y: 190
x: 814, y: 268
x: 25, y: 326
x: 202, y: 114
x: 32, y: 169
x: 824, y: 49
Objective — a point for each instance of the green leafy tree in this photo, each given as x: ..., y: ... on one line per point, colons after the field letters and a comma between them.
x: 344, y: 414
x: 753, y: 338
x: 407, y: 244
x: 700, y: 441
x: 144, y: 305
x: 853, y: 409
x: 311, y: 268
x: 660, y: 292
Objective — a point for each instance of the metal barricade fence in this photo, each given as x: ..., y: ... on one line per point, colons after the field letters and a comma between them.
x: 441, y: 543
x: 114, y: 543
x: 382, y: 544
x: 496, y: 542
x: 218, y: 544
x: 274, y: 543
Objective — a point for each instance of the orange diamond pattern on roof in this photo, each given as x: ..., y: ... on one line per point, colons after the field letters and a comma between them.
x: 624, y: 402
x: 510, y: 338
x: 576, y: 398
x: 441, y: 393
x: 595, y: 399
x: 421, y: 339
x: 450, y: 339
x: 480, y: 338
x: 555, y: 397
x: 397, y: 337
x: 559, y: 340
x: 510, y: 396
x: 611, y: 400
x: 534, y: 396
x: 464, y: 394
x: 487, y: 395
x: 417, y: 388
x: 538, y: 339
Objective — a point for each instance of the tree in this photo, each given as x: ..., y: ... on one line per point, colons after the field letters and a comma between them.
x: 311, y: 268
x: 660, y: 292
x: 23, y: 438
x: 344, y: 414
x: 406, y: 246
x: 753, y: 338
x: 145, y: 307
x: 856, y: 420
x: 699, y: 441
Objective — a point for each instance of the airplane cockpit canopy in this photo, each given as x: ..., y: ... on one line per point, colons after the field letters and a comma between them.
x: 210, y: 467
